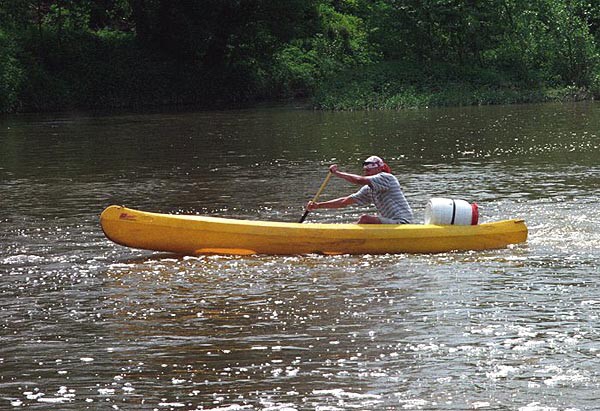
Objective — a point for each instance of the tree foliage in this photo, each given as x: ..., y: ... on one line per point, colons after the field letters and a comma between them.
x: 60, y: 53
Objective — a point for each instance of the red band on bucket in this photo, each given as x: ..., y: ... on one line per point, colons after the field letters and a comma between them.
x: 474, y: 214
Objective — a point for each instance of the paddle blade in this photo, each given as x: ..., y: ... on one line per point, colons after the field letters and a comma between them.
x: 303, y: 216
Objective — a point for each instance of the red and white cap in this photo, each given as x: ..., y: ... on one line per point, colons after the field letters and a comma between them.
x: 376, y: 162
x: 373, y: 162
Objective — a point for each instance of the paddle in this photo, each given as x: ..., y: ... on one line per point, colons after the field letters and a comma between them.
x: 316, y: 196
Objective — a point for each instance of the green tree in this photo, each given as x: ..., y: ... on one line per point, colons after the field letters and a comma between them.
x: 572, y: 50
x: 11, y: 74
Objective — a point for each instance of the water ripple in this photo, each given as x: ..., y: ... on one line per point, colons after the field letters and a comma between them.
x: 85, y: 323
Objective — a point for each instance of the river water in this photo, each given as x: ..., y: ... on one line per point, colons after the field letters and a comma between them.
x: 87, y: 324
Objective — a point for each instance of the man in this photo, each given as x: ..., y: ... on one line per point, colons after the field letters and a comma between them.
x: 379, y: 187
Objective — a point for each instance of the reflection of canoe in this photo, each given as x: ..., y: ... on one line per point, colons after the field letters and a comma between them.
x: 194, y: 235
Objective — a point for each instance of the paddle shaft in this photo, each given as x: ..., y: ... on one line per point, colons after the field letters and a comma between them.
x: 316, y: 197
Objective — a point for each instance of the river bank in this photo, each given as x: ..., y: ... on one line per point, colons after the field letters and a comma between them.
x: 182, y: 89
x: 398, y: 85
x: 161, y: 86
x: 112, y: 71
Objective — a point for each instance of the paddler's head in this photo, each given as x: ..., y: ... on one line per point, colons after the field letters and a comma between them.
x: 375, y: 165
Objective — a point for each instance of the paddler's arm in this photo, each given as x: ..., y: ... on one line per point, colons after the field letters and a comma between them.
x: 351, y: 178
x: 336, y: 203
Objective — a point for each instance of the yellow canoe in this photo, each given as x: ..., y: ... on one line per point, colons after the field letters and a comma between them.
x: 196, y: 235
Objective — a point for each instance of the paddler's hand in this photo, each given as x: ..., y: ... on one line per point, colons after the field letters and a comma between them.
x: 312, y: 205
x: 333, y: 169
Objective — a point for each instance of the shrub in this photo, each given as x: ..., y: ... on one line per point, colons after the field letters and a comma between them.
x: 11, y: 74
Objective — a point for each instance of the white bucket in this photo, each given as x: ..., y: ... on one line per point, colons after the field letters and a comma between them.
x: 447, y: 211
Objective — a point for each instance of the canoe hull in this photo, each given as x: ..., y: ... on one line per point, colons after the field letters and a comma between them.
x: 196, y: 235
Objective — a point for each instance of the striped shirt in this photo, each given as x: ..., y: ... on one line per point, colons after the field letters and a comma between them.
x: 385, y: 192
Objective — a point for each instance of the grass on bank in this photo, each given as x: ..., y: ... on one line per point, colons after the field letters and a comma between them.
x: 396, y: 86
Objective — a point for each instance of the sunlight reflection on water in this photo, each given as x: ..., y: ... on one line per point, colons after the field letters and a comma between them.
x: 86, y: 322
